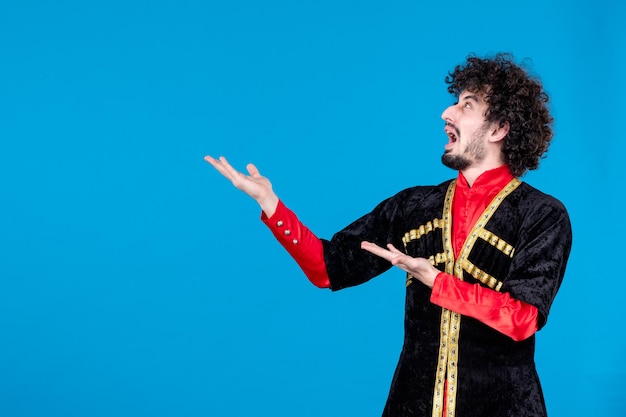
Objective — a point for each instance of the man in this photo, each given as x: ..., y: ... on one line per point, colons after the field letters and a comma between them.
x: 484, y: 254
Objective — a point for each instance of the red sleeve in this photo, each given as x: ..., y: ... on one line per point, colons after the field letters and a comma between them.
x: 509, y: 316
x: 303, y: 246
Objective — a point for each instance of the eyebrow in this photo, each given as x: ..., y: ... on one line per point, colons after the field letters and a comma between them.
x: 471, y: 97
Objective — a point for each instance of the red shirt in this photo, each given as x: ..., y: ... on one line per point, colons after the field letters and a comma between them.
x: 470, y: 202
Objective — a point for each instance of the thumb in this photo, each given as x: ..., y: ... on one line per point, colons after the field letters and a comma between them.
x: 252, y: 170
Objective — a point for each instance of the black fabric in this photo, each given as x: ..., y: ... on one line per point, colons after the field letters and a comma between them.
x: 496, y: 375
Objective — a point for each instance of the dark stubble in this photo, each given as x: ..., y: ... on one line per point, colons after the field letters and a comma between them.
x: 474, y: 152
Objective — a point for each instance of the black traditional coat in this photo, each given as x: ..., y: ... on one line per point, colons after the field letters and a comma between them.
x: 519, y: 245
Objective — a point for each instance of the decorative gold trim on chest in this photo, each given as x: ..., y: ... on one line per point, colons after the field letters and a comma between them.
x: 464, y: 263
x: 415, y: 234
x: 496, y: 242
x: 424, y: 229
x: 449, y: 328
x: 482, y: 276
x: 447, y: 369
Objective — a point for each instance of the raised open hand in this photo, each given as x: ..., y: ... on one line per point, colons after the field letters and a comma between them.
x: 420, y: 268
x: 255, y: 185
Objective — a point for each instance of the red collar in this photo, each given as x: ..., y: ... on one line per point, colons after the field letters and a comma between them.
x: 494, y: 178
x: 469, y: 203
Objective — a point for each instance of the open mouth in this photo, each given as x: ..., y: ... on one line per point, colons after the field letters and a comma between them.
x: 452, y: 133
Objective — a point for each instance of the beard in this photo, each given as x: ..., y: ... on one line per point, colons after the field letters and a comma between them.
x: 455, y: 162
x: 473, y: 152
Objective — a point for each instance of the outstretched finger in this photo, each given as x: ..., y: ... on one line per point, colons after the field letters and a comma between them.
x: 217, y: 164
x: 223, y: 167
x: 214, y: 162
x: 228, y: 167
x: 228, y: 170
x: 376, y: 250
x: 394, y: 250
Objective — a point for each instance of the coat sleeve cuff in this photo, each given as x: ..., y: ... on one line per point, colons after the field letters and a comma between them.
x: 303, y: 246
x: 509, y: 316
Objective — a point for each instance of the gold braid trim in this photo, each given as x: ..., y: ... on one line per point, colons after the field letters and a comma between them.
x: 451, y: 321
x: 482, y: 276
x: 424, y: 229
x: 448, y: 344
x: 415, y: 234
x: 495, y: 241
x: 472, y: 269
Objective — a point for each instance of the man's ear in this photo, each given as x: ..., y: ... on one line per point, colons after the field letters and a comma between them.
x: 499, y: 132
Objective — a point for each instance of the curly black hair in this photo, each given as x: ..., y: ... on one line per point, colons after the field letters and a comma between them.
x: 513, y: 96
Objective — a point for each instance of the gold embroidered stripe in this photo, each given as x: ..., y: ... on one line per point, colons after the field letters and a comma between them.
x: 455, y: 324
x: 438, y: 259
x: 440, y: 374
x: 448, y: 351
x: 495, y: 241
x: 482, y: 276
x: 415, y: 234
x: 447, y: 365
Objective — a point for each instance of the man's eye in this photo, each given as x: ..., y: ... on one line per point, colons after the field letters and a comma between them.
x: 468, y: 105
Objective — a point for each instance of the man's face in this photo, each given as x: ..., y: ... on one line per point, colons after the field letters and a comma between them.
x: 466, y: 128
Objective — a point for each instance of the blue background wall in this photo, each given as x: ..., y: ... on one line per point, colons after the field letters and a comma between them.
x: 135, y: 281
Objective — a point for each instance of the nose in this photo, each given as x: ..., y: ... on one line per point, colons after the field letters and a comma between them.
x: 448, y: 113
